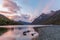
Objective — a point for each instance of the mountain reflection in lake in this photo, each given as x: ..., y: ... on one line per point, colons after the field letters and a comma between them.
x: 31, y: 32
x: 19, y: 33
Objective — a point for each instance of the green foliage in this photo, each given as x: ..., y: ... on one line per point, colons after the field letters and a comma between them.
x: 5, y: 21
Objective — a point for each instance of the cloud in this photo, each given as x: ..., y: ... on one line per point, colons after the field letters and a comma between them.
x: 3, y: 9
x: 11, y: 14
x: 13, y: 7
x: 23, y: 17
x: 37, y: 9
x: 49, y: 4
x: 35, y: 12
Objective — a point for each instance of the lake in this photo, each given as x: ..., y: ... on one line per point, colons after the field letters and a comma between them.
x: 41, y: 32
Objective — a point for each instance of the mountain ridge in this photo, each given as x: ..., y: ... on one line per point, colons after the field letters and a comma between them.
x: 49, y: 20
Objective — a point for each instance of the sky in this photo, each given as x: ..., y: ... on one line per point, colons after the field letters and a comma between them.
x: 35, y: 7
x: 29, y: 6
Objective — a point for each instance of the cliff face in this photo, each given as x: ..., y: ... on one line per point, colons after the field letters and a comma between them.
x: 48, y: 19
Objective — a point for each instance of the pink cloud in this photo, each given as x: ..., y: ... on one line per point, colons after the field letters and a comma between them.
x: 13, y: 7
x: 48, y: 6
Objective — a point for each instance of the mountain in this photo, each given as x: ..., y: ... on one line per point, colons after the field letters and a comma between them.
x: 52, y: 18
x: 24, y: 23
x: 5, y: 21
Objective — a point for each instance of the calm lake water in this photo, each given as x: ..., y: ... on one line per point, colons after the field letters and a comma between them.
x: 45, y: 32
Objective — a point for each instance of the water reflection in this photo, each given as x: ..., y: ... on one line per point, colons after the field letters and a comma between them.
x: 31, y: 32
x: 19, y: 33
